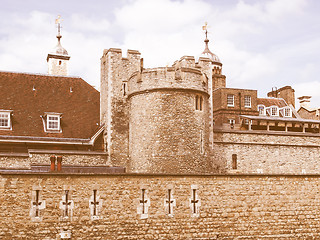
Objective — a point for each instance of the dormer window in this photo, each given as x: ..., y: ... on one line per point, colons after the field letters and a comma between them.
x: 52, y: 122
x: 5, y: 119
x: 287, y: 112
x: 274, y: 111
x: 262, y: 110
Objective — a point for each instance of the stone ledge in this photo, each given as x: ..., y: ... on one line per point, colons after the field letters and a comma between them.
x: 6, y: 172
x: 13, y: 154
x: 259, y: 132
x: 66, y: 152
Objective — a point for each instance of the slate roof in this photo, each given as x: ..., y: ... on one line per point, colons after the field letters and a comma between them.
x: 30, y: 96
x: 267, y: 102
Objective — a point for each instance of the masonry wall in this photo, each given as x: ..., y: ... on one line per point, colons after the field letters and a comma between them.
x: 167, y: 134
x: 115, y: 72
x: 228, y: 207
x: 257, y: 152
x: 44, y: 158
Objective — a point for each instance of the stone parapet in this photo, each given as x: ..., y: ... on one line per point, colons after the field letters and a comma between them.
x: 137, y: 206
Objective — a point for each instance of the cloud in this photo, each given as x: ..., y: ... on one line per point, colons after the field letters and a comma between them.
x: 261, y: 44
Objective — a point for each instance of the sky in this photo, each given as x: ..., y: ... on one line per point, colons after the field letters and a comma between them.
x: 262, y: 44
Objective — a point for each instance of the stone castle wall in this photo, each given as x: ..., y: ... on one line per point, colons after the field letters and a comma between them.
x: 115, y: 72
x: 167, y: 134
x: 268, y: 152
x: 44, y: 158
x: 201, y: 207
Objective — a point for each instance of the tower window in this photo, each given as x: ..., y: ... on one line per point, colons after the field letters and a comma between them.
x: 124, y: 89
x: 199, y: 103
x: 247, y: 101
x: 201, y: 142
x: 60, y: 62
x: 234, y: 161
x: 230, y: 100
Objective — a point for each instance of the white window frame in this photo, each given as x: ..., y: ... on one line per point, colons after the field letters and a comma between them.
x: 230, y: 97
x: 57, y: 120
x: 5, y: 115
x: 247, y: 101
x: 276, y: 113
x: 263, y: 113
x: 285, y: 113
x: 232, y: 121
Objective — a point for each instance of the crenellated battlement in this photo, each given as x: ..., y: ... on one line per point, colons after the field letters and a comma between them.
x: 184, y: 74
x: 131, y: 54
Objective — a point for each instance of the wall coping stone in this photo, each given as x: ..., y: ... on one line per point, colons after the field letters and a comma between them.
x: 258, y: 132
x: 167, y: 89
x: 16, y: 172
x: 66, y: 152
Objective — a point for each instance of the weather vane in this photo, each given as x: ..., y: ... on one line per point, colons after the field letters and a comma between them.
x: 205, y: 28
x: 58, y: 22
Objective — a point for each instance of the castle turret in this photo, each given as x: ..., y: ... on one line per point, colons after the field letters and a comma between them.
x: 58, y: 58
x: 218, y: 80
x: 212, y: 67
x: 168, y: 127
x: 115, y: 72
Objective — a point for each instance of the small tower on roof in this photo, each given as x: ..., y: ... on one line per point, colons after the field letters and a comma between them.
x: 218, y: 79
x: 206, y: 52
x: 58, y: 58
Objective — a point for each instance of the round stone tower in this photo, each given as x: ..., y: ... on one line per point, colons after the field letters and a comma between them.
x: 168, y: 119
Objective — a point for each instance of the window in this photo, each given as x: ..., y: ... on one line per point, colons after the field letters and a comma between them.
x: 5, y: 121
x: 124, y: 89
x: 199, y: 102
x: 262, y: 110
x: 234, y: 161
x: 53, y: 122
x: 247, y: 101
x: 274, y: 111
x: 201, y: 142
x: 230, y: 100
x: 287, y: 112
x: 232, y: 121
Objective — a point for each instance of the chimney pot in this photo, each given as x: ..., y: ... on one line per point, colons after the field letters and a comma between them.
x: 59, y: 163
x: 53, y: 163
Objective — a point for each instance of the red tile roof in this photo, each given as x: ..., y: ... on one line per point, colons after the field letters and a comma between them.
x: 79, y: 108
x: 267, y: 102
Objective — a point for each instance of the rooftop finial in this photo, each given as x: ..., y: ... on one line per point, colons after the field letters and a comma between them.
x: 207, y: 52
x: 205, y: 28
x: 58, y: 22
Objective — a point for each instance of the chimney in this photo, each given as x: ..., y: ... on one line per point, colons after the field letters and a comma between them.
x: 53, y: 163
x: 287, y: 93
x: 304, y: 101
x: 59, y: 163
